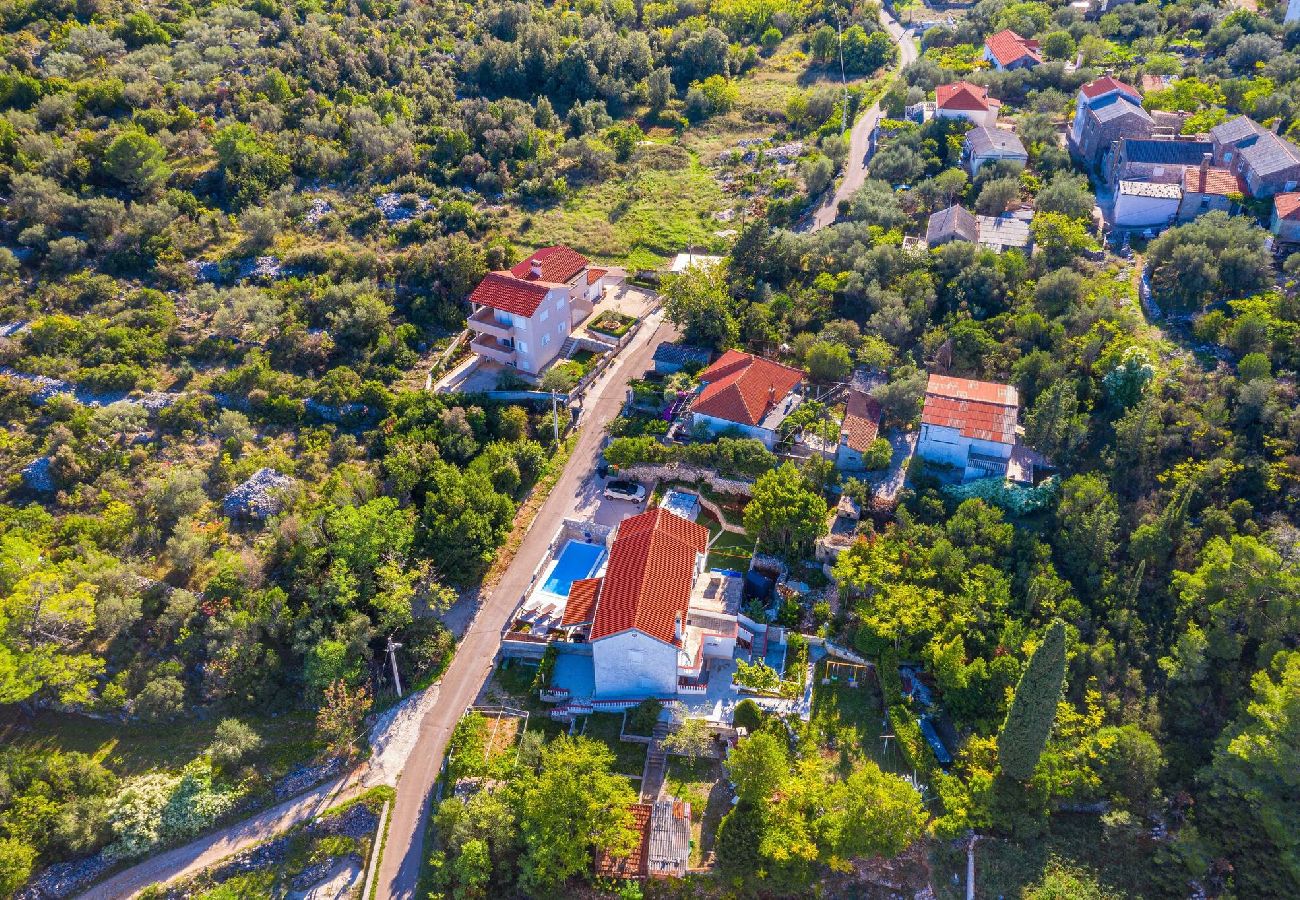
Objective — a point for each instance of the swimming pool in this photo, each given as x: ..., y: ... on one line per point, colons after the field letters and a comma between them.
x: 682, y: 503
x: 577, y: 560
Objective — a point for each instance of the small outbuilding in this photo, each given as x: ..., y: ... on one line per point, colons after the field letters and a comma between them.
x: 1146, y: 204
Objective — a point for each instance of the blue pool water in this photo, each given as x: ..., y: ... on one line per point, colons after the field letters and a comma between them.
x: 575, y: 562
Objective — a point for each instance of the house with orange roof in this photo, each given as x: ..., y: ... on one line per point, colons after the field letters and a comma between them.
x: 663, y: 847
x: 654, y: 616
x: 522, y: 316
x: 1285, y: 223
x: 861, y: 426
x: 973, y: 426
x: 1007, y: 50
x: 746, y: 395
x: 963, y: 100
x: 1207, y: 188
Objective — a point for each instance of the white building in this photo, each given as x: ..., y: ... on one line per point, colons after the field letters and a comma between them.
x: 656, y: 615
x: 971, y: 425
x: 522, y: 316
x: 746, y: 394
x: 1146, y: 204
x: 1007, y: 50
x: 963, y: 100
x: 984, y: 145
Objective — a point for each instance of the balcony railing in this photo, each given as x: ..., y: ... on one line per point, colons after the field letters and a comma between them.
x: 490, y: 348
x: 484, y: 322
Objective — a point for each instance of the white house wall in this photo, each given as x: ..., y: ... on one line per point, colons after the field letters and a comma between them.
x: 1132, y: 211
x: 719, y: 426
x: 633, y: 664
x: 943, y: 445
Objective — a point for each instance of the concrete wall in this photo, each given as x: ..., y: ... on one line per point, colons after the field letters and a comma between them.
x: 632, y: 664
x: 943, y: 445
x: 1142, y: 212
x: 538, y: 339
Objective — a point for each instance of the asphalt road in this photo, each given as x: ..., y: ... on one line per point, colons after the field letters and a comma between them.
x: 855, y: 167
x: 473, y: 662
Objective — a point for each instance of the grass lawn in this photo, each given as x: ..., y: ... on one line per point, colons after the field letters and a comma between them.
x: 134, y: 748
x: 849, y: 721
x: 732, y: 551
x: 1002, y: 868
x: 700, y: 782
x: 664, y: 204
x: 629, y: 758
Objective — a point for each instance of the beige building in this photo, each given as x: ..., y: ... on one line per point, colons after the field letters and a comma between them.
x: 522, y: 316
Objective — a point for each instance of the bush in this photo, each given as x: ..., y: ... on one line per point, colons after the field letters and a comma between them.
x: 641, y: 718
x: 878, y: 455
x: 748, y: 715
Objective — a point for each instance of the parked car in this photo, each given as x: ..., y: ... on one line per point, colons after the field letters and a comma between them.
x: 625, y: 490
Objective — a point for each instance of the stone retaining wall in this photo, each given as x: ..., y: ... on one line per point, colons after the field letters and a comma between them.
x: 652, y: 472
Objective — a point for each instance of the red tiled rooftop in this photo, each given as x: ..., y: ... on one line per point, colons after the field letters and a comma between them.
x: 501, y: 290
x: 1007, y: 47
x: 648, y: 581
x: 1287, y: 205
x: 559, y: 264
x: 1212, y: 181
x: 581, y: 602
x: 594, y: 275
x: 963, y: 95
x: 861, y: 421
x: 742, y: 388
x: 980, y: 410
x: 1105, y: 84
x: 635, y: 864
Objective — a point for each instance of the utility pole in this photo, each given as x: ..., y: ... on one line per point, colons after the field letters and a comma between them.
x: 392, y: 649
x: 970, y: 866
x: 844, y: 81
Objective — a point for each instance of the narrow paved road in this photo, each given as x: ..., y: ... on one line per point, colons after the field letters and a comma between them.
x: 215, y: 847
x: 473, y: 662
x: 855, y: 167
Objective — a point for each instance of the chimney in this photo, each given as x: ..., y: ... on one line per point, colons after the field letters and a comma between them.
x: 677, y: 627
x: 771, y: 395
x: 1205, y: 170
x: 535, y: 267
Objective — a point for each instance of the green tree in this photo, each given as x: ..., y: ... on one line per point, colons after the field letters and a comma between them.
x: 699, y: 303
x: 872, y: 813
x: 45, y: 627
x: 784, y: 513
x: 573, y: 807
x: 250, y: 166
x: 828, y: 361
x: 1055, y: 426
x: 1033, y: 708
x: 1060, y: 237
x: 1063, y: 882
x: 757, y: 766
x: 692, y: 739
x: 1086, y: 520
x: 464, y: 521
x: 16, y: 861
x: 138, y: 161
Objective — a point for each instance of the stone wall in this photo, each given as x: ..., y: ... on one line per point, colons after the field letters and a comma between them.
x: 653, y: 472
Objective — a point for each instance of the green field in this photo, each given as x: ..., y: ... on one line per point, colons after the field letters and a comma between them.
x: 663, y: 205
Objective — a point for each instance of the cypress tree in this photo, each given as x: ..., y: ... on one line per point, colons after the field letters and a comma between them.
x: 1033, y: 709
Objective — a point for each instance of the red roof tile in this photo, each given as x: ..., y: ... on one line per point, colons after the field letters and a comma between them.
x: 558, y: 264
x: 742, y: 388
x: 980, y: 410
x: 1105, y: 84
x: 861, y: 421
x: 594, y: 275
x: 635, y: 864
x: 1007, y: 47
x: 963, y: 95
x: 648, y: 579
x: 582, y: 601
x: 1287, y: 205
x: 1211, y: 181
x: 501, y: 290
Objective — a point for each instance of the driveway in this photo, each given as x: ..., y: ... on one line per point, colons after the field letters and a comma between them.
x: 860, y: 138
x: 476, y: 655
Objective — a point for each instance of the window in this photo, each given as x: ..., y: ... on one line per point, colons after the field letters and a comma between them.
x: 559, y: 303
x: 546, y: 339
x: 546, y: 314
x: 521, y: 346
x: 560, y: 329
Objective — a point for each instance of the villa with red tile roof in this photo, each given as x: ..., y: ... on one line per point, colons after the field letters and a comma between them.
x: 861, y: 426
x: 1007, y: 50
x: 522, y: 316
x: 746, y: 394
x: 972, y: 426
x: 655, y: 615
x: 963, y: 100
